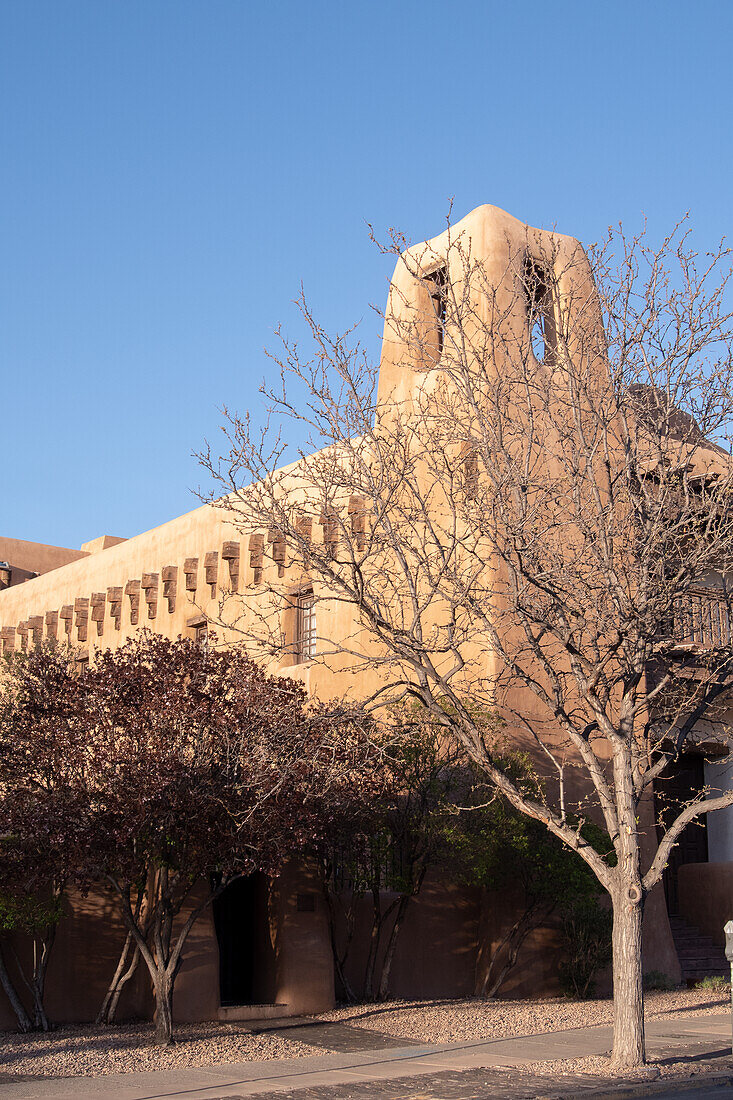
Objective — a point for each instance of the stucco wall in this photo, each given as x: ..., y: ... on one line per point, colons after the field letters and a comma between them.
x: 83, y: 959
x: 27, y: 558
x: 436, y: 949
x: 190, y: 536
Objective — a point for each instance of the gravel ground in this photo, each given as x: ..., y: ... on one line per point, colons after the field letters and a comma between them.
x: 600, y: 1066
x: 88, y: 1050
x: 462, y: 1021
x: 596, y: 1066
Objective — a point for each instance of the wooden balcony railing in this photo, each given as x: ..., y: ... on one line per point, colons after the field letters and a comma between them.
x: 702, y: 617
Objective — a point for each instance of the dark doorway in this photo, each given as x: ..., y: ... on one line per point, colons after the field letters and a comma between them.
x: 246, y: 954
x: 681, y: 781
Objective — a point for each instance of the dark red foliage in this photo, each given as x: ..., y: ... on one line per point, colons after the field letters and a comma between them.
x: 199, y: 760
x: 164, y: 766
x: 45, y: 815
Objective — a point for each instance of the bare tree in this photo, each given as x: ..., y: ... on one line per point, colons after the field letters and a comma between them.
x: 526, y: 511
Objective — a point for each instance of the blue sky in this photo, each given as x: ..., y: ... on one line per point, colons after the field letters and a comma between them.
x: 171, y: 170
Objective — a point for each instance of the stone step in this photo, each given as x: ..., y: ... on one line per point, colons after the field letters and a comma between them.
x: 697, y: 949
x: 700, y: 949
x: 707, y: 966
x: 699, y: 956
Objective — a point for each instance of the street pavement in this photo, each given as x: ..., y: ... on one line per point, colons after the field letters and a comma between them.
x: 476, y: 1070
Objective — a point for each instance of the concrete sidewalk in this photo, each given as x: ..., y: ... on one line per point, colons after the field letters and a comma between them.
x: 696, y: 1037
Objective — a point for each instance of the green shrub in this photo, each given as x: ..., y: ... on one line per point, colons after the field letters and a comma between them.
x: 657, y: 979
x: 714, y: 982
x: 586, y: 941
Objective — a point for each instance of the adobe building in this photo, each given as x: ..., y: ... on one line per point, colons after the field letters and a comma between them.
x: 175, y: 579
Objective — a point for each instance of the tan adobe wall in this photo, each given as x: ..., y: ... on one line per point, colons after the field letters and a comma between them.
x: 101, y: 543
x: 103, y: 580
x: 194, y: 568
x: 29, y: 558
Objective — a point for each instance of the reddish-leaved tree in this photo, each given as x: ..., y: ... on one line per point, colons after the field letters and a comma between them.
x: 203, y: 768
x: 43, y: 811
x: 187, y: 767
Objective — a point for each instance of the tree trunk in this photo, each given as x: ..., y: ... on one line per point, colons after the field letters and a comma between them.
x: 510, y: 944
x: 103, y: 1014
x: 374, y: 938
x: 120, y: 979
x: 40, y: 1020
x: 391, y: 947
x: 42, y: 952
x: 163, y: 1009
x: 112, y: 1010
x: 163, y: 963
x: 339, y: 959
x: 24, y: 1020
x: 628, y: 985
x: 375, y: 941
x: 368, y: 993
x: 533, y: 916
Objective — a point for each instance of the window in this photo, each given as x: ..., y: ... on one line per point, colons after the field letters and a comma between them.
x: 437, y: 288
x: 540, y: 311
x: 470, y: 474
x: 199, y: 630
x: 305, y: 626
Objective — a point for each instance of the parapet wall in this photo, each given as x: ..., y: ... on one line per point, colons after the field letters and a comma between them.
x: 163, y: 579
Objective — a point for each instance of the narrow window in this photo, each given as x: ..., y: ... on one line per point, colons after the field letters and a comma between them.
x: 540, y: 311
x: 470, y: 474
x: 305, y: 626
x: 437, y: 282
